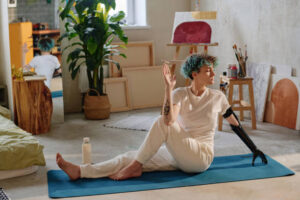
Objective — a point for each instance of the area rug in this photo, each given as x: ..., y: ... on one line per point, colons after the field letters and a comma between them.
x: 223, y: 169
x: 138, y: 121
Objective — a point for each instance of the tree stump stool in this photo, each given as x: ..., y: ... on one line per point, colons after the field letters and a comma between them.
x: 32, y: 106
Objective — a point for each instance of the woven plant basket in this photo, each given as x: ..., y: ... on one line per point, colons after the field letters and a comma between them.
x: 96, y: 107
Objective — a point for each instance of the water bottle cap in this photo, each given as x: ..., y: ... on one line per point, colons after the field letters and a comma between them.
x: 86, y: 139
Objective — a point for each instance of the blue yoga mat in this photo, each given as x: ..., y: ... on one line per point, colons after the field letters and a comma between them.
x: 56, y: 94
x: 223, y: 169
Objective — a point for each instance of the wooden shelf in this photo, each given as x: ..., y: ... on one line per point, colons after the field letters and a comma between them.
x: 45, y: 32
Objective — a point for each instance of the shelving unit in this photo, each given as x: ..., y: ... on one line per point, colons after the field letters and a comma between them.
x: 54, y: 34
x: 19, y: 34
x: 46, y: 32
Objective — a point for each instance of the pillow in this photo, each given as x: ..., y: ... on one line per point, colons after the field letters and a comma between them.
x: 18, y: 149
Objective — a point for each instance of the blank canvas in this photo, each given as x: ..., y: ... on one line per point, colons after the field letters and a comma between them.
x: 117, y: 91
x: 137, y: 54
x: 261, y: 76
x: 284, y: 70
x: 145, y: 85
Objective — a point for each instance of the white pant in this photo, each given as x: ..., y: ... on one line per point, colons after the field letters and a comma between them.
x: 183, y: 152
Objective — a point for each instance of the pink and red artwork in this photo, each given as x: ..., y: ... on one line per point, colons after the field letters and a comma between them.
x: 194, y: 27
x: 192, y: 32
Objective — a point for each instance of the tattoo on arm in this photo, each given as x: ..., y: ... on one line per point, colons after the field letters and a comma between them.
x: 167, y: 108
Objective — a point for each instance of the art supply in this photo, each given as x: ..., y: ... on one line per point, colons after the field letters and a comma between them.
x: 224, y: 81
x: 241, y: 60
x: 241, y: 54
x: 232, y: 71
x: 246, y: 54
x: 86, y: 151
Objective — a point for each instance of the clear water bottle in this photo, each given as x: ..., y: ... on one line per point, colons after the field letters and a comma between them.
x: 86, y: 151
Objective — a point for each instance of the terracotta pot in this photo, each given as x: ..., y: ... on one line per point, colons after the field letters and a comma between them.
x: 96, y: 107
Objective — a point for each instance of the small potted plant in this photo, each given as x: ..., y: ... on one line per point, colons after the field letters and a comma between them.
x: 91, y: 23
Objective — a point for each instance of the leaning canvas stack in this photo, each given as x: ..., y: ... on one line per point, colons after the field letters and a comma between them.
x: 276, y: 94
x: 282, y: 107
x: 138, y: 83
x: 261, y: 76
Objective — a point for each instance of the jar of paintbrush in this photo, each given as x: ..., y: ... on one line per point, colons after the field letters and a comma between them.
x: 242, y: 59
x: 242, y: 69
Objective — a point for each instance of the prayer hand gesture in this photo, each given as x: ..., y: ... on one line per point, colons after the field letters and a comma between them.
x: 170, y: 80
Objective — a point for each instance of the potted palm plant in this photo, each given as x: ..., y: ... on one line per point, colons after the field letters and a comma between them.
x: 95, y: 28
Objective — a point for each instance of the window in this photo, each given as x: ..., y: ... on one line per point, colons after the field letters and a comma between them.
x: 135, y: 11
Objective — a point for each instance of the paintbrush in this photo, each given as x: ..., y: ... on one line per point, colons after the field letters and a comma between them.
x: 246, y: 56
x: 239, y: 57
x: 236, y: 53
x: 241, y: 54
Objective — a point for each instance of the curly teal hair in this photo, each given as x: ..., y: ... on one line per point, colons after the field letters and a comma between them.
x: 194, y: 62
x: 46, y: 44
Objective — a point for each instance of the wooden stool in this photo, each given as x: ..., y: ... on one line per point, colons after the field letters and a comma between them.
x: 243, y: 105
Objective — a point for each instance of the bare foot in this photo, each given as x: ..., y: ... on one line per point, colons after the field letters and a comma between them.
x: 134, y: 169
x: 72, y: 170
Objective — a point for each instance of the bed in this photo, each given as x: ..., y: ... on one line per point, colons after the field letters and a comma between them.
x: 20, y: 152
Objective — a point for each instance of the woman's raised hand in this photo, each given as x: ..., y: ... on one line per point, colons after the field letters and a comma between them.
x: 170, y: 80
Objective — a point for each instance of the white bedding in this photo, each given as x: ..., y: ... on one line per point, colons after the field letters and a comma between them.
x: 5, y: 174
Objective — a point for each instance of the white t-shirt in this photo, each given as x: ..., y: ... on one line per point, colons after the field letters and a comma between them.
x: 198, y: 114
x: 45, y: 65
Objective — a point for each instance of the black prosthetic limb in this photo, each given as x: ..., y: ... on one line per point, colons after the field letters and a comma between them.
x: 245, y: 138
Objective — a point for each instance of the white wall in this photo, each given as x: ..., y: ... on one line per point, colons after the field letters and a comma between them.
x: 160, y: 16
x: 270, y: 28
x: 5, y: 74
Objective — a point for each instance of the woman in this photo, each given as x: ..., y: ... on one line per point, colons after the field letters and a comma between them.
x: 186, y: 128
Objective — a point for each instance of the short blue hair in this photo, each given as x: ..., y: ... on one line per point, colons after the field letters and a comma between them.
x: 194, y: 62
x: 46, y: 44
